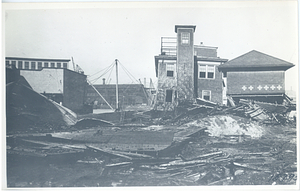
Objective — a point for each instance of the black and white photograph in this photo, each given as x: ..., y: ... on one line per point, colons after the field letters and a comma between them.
x: 178, y: 95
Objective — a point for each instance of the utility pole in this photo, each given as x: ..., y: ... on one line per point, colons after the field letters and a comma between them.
x: 117, y: 93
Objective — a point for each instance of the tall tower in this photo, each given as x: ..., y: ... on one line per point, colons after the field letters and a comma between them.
x: 185, y: 62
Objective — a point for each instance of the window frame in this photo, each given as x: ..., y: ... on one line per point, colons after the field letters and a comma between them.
x: 206, y: 71
x: 32, y: 65
x: 185, y: 38
x: 173, y: 65
x: 202, y: 94
x: 26, y: 66
x: 20, y: 65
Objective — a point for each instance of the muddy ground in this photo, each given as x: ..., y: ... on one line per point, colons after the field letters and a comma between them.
x: 248, y: 154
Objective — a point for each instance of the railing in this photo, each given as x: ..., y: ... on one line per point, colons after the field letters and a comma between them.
x: 169, y: 46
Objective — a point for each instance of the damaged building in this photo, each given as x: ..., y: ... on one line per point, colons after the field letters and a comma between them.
x: 129, y: 94
x: 255, y: 76
x: 52, y: 78
x: 186, y: 71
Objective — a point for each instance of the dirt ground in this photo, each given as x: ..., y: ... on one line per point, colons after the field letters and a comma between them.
x: 251, y: 154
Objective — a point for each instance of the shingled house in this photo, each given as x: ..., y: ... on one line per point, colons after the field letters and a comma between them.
x: 255, y: 76
x: 186, y: 71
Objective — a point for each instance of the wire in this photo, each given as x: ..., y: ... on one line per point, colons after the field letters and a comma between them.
x: 109, y: 69
x: 127, y: 72
x: 101, y: 70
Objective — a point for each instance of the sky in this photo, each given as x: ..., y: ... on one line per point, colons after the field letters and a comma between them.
x: 95, y: 34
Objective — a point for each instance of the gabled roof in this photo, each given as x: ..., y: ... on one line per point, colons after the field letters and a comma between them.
x: 255, y: 60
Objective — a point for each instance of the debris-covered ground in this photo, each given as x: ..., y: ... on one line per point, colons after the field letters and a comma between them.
x: 219, y: 149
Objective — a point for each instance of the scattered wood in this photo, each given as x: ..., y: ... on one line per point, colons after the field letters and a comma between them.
x: 118, y: 164
x: 109, y: 152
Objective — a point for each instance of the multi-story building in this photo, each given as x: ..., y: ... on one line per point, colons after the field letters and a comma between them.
x: 187, y: 71
x: 52, y: 78
x: 255, y: 76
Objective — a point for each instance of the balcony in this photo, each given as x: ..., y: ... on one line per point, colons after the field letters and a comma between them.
x: 169, y: 46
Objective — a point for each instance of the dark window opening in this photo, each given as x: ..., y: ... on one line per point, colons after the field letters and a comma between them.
x: 52, y: 64
x: 206, y: 97
x: 46, y: 64
x: 65, y: 65
x: 39, y: 65
x: 202, y: 74
x: 169, y: 96
x: 13, y: 63
x: 206, y: 94
x: 170, y: 73
x: 58, y: 65
x: 26, y: 65
x: 32, y: 65
x: 7, y: 62
x: 20, y: 65
x: 224, y: 74
x: 210, y: 75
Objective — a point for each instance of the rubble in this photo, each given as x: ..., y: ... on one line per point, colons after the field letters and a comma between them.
x: 211, y: 145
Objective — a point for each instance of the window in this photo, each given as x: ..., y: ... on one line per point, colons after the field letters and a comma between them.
x: 206, y: 94
x: 65, y: 65
x: 52, y: 65
x: 185, y: 38
x: 170, y: 70
x: 224, y: 74
x: 7, y: 62
x: 39, y: 65
x: 13, y: 63
x: 46, y: 65
x: 210, y: 71
x: 206, y: 71
x: 202, y: 71
x: 32, y: 65
x: 169, y: 95
x: 26, y: 65
x: 58, y: 65
x: 20, y: 65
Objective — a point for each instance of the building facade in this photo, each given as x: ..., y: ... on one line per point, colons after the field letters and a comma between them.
x: 53, y: 79
x: 129, y: 94
x: 255, y: 76
x: 186, y: 71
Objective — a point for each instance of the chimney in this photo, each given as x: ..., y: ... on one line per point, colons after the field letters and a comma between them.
x: 103, y: 79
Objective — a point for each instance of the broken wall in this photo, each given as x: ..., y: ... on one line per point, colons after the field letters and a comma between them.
x: 74, y: 90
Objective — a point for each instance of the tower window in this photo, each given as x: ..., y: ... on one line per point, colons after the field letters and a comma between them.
x: 52, y: 65
x: 185, y: 38
x: 65, y: 65
x: 58, y: 65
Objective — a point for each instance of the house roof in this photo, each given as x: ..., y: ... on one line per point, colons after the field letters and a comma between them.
x: 255, y: 60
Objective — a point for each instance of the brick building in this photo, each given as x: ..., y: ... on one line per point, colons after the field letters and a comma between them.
x: 186, y: 71
x: 52, y: 78
x: 255, y: 76
x: 129, y: 94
